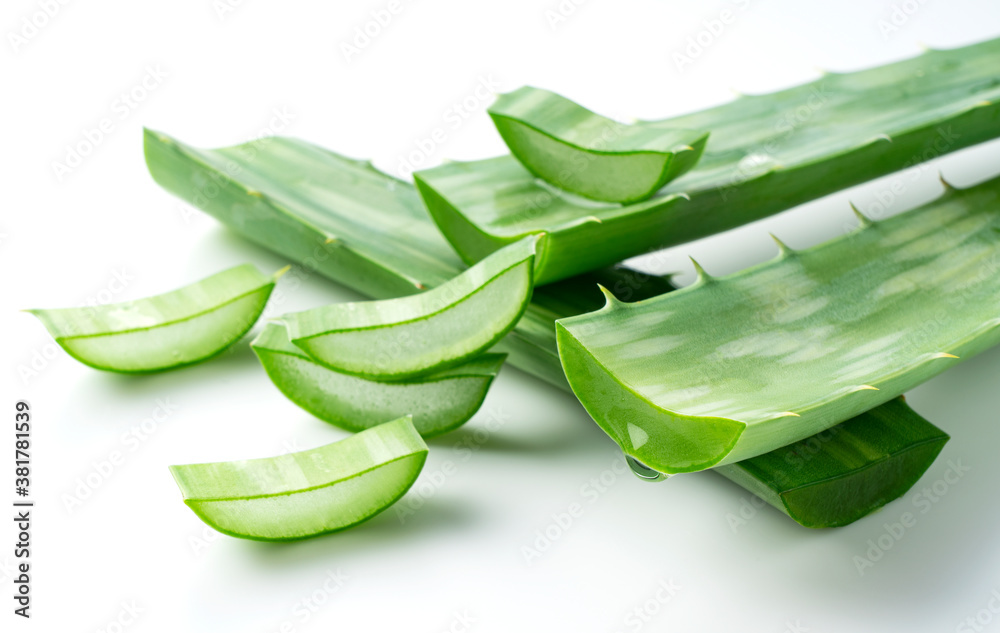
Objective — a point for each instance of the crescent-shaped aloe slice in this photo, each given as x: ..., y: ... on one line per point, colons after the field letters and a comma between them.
x: 842, y: 474
x: 395, y: 339
x: 438, y: 403
x: 166, y: 331
x: 370, y: 232
x: 731, y: 368
x: 767, y: 153
x: 573, y: 148
x: 298, y: 495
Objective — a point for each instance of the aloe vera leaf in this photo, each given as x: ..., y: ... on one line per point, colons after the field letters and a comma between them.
x: 767, y: 153
x: 577, y: 150
x: 308, y: 493
x: 439, y: 403
x: 730, y: 368
x: 324, y: 193
x: 407, y: 337
x: 846, y: 472
x: 165, y: 331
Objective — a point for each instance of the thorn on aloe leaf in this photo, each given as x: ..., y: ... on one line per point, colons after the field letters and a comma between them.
x: 784, y: 250
x: 863, y: 219
x: 611, y: 301
x: 703, y: 277
x: 944, y: 355
x: 864, y: 388
x: 947, y: 185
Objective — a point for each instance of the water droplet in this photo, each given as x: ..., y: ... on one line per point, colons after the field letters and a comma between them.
x: 643, y: 471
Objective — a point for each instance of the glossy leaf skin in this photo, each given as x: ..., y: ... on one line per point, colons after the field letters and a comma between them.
x: 166, y: 331
x: 310, y: 181
x: 767, y: 153
x: 308, y: 493
x: 438, y: 403
x: 731, y: 368
x: 844, y: 473
x: 416, y: 335
x: 577, y: 150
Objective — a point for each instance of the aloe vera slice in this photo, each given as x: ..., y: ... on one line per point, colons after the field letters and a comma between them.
x: 840, y: 475
x: 395, y: 339
x: 165, y: 331
x: 580, y: 151
x: 767, y: 153
x: 304, y: 203
x: 303, y: 494
x: 438, y: 403
x: 730, y: 368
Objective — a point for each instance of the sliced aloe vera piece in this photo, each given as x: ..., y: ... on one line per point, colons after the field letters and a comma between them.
x: 438, y: 403
x: 842, y: 474
x: 573, y: 148
x: 767, y: 153
x: 395, y: 339
x: 166, y: 331
x: 304, y: 203
x: 303, y: 494
x: 731, y: 368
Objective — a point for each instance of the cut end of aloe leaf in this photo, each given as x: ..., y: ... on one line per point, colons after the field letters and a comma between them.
x: 165, y: 331
x: 577, y: 150
x: 659, y: 439
x: 438, y: 403
x: 398, y: 339
x: 846, y: 472
x: 305, y: 494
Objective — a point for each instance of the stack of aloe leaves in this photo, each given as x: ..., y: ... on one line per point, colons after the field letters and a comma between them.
x: 786, y: 378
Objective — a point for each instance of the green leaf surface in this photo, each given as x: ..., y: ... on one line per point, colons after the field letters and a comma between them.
x: 846, y: 472
x: 577, y: 150
x: 165, y: 331
x: 416, y: 335
x: 321, y: 193
x: 767, y: 153
x: 438, y: 403
x: 307, y: 493
x: 730, y: 368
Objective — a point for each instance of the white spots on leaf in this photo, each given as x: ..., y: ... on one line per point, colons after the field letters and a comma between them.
x: 636, y: 436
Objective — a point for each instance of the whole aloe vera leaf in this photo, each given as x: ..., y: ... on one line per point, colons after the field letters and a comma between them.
x: 321, y: 193
x: 416, y: 335
x: 858, y: 460
x: 304, y: 494
x: 731, y: 368
x: 165, y: 331
x: 577, y: 150
x: 767, y: 153
x: 438, y: 403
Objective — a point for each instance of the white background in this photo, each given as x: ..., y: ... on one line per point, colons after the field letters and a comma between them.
x: 227, y: 69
